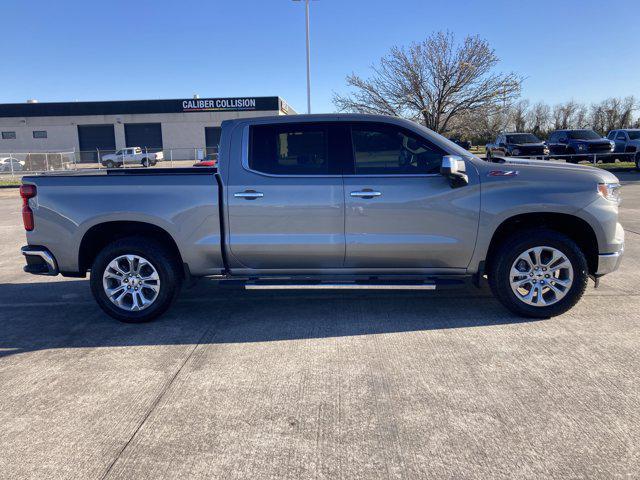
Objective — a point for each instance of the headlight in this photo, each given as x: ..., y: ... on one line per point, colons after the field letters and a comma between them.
x: 516, y: 152
x: 582, y: 146
x: 613, y: 145
x: 610, y: 191
x: 545, y: 150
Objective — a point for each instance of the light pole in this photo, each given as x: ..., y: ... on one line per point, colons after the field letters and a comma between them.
x: 306, y: 6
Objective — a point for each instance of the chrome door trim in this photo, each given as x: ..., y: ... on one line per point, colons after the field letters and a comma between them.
x: 402, y: 175
x: 245, y: 165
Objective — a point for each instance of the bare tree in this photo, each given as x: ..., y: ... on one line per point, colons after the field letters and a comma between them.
x: 539, y: 118
x: 613, y: 113
x: 581, y: 117
x: 433, y: 82
x: 564, y: 115
x: 518, y: 115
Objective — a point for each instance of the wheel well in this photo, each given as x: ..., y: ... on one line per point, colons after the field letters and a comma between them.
x: 573, y: 227
x: 99, y: 236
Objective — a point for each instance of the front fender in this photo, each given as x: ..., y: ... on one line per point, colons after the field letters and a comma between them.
x: 531, y: 190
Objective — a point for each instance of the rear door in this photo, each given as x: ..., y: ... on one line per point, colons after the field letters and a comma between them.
x: 286, y: 199
x: 401, y: 214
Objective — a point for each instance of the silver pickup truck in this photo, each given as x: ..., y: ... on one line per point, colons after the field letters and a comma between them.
x: 328, y: 201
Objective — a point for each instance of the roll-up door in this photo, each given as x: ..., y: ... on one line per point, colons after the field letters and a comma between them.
x: 95, y: 140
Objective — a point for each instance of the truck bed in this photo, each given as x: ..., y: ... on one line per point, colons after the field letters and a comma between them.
x: 183, y: 202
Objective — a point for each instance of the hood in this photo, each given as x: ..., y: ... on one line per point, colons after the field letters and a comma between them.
x: 534, y: 144
x: 592, y: 141
x: 552, y: 167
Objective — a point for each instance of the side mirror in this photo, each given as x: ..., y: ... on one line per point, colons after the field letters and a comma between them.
x: 453, y: 168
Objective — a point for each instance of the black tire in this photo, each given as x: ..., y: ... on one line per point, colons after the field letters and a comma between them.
x: 638, y: 161
x: 571, y: 159
x: 145, y: 162
x: 166, y: 265
x: 507, y: 254
x: 109, y: 164
x: 488, y: 156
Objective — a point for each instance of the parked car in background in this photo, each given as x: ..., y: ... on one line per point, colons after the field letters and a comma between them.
x: 328, y: 202
x: 131, y: 156
x: 466, y: 144
x: 516, y: 145
x: 10, y: 164
x: 627, y: 144
x: 577, y: 145
x: 47, y: 162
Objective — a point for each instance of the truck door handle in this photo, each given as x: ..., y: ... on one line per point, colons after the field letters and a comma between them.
x: 249, y: 195
x: 366, y: 193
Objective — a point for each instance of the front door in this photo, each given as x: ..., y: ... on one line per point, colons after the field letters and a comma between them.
x: 286, y: 200
x: 400, y: 212
x: 621, y: 142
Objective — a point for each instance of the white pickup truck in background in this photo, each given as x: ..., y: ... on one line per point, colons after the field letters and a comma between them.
x: 131, y: 156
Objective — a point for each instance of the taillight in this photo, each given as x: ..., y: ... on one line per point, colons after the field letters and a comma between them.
x: 27, y: 192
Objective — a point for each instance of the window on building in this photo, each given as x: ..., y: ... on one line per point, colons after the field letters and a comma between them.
x: 8, y: 135
x: 388, y: 150
x: 39, y: 134
x: 291, y: 149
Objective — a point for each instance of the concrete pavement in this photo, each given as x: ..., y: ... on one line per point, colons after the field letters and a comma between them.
x: 234, y: 384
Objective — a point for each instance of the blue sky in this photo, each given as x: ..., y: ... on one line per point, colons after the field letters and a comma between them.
x: 106, y: 50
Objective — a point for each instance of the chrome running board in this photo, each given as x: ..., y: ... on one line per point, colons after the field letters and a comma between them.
x: 339, y: 286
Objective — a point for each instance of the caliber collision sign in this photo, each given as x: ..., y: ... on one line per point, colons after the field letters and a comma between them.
x: 218, y: 104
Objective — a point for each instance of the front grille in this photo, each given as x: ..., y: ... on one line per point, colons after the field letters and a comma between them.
x: 599, y: 147
x: 531, y: 150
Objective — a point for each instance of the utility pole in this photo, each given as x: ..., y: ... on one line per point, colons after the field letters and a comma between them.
x: 306, y: 6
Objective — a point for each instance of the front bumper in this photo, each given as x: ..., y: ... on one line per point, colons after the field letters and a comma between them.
x: 609, y: 262
x: 40, y: 261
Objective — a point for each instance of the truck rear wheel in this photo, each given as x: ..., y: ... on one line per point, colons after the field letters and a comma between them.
x: 135, y: 279
x: 539, y: 274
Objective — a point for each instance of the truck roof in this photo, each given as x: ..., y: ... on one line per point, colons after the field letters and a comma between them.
x: 351, y: 117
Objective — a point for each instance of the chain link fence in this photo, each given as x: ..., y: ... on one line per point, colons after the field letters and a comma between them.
x: 16, y: 164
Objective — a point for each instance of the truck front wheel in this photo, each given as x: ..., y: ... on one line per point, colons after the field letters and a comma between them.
x: 539, y: 274
x: 135, y: 279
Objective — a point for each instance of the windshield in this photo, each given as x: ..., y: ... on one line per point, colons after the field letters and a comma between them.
x: 583, y: 135
x: 634, y: 135
x: 523, y: 138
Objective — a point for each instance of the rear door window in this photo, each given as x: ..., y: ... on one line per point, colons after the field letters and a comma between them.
x: 289, y: 149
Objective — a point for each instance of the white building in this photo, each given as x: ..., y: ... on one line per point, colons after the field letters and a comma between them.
x: 182, y: 128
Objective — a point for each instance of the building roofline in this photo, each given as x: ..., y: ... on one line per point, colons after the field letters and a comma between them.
x: 124, y: 107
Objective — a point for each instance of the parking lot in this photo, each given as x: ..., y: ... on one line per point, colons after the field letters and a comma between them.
x: 234, y: 384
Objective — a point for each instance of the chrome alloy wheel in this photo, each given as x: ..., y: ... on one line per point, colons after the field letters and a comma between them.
x: 541, y: 276
x: 131, y: 282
